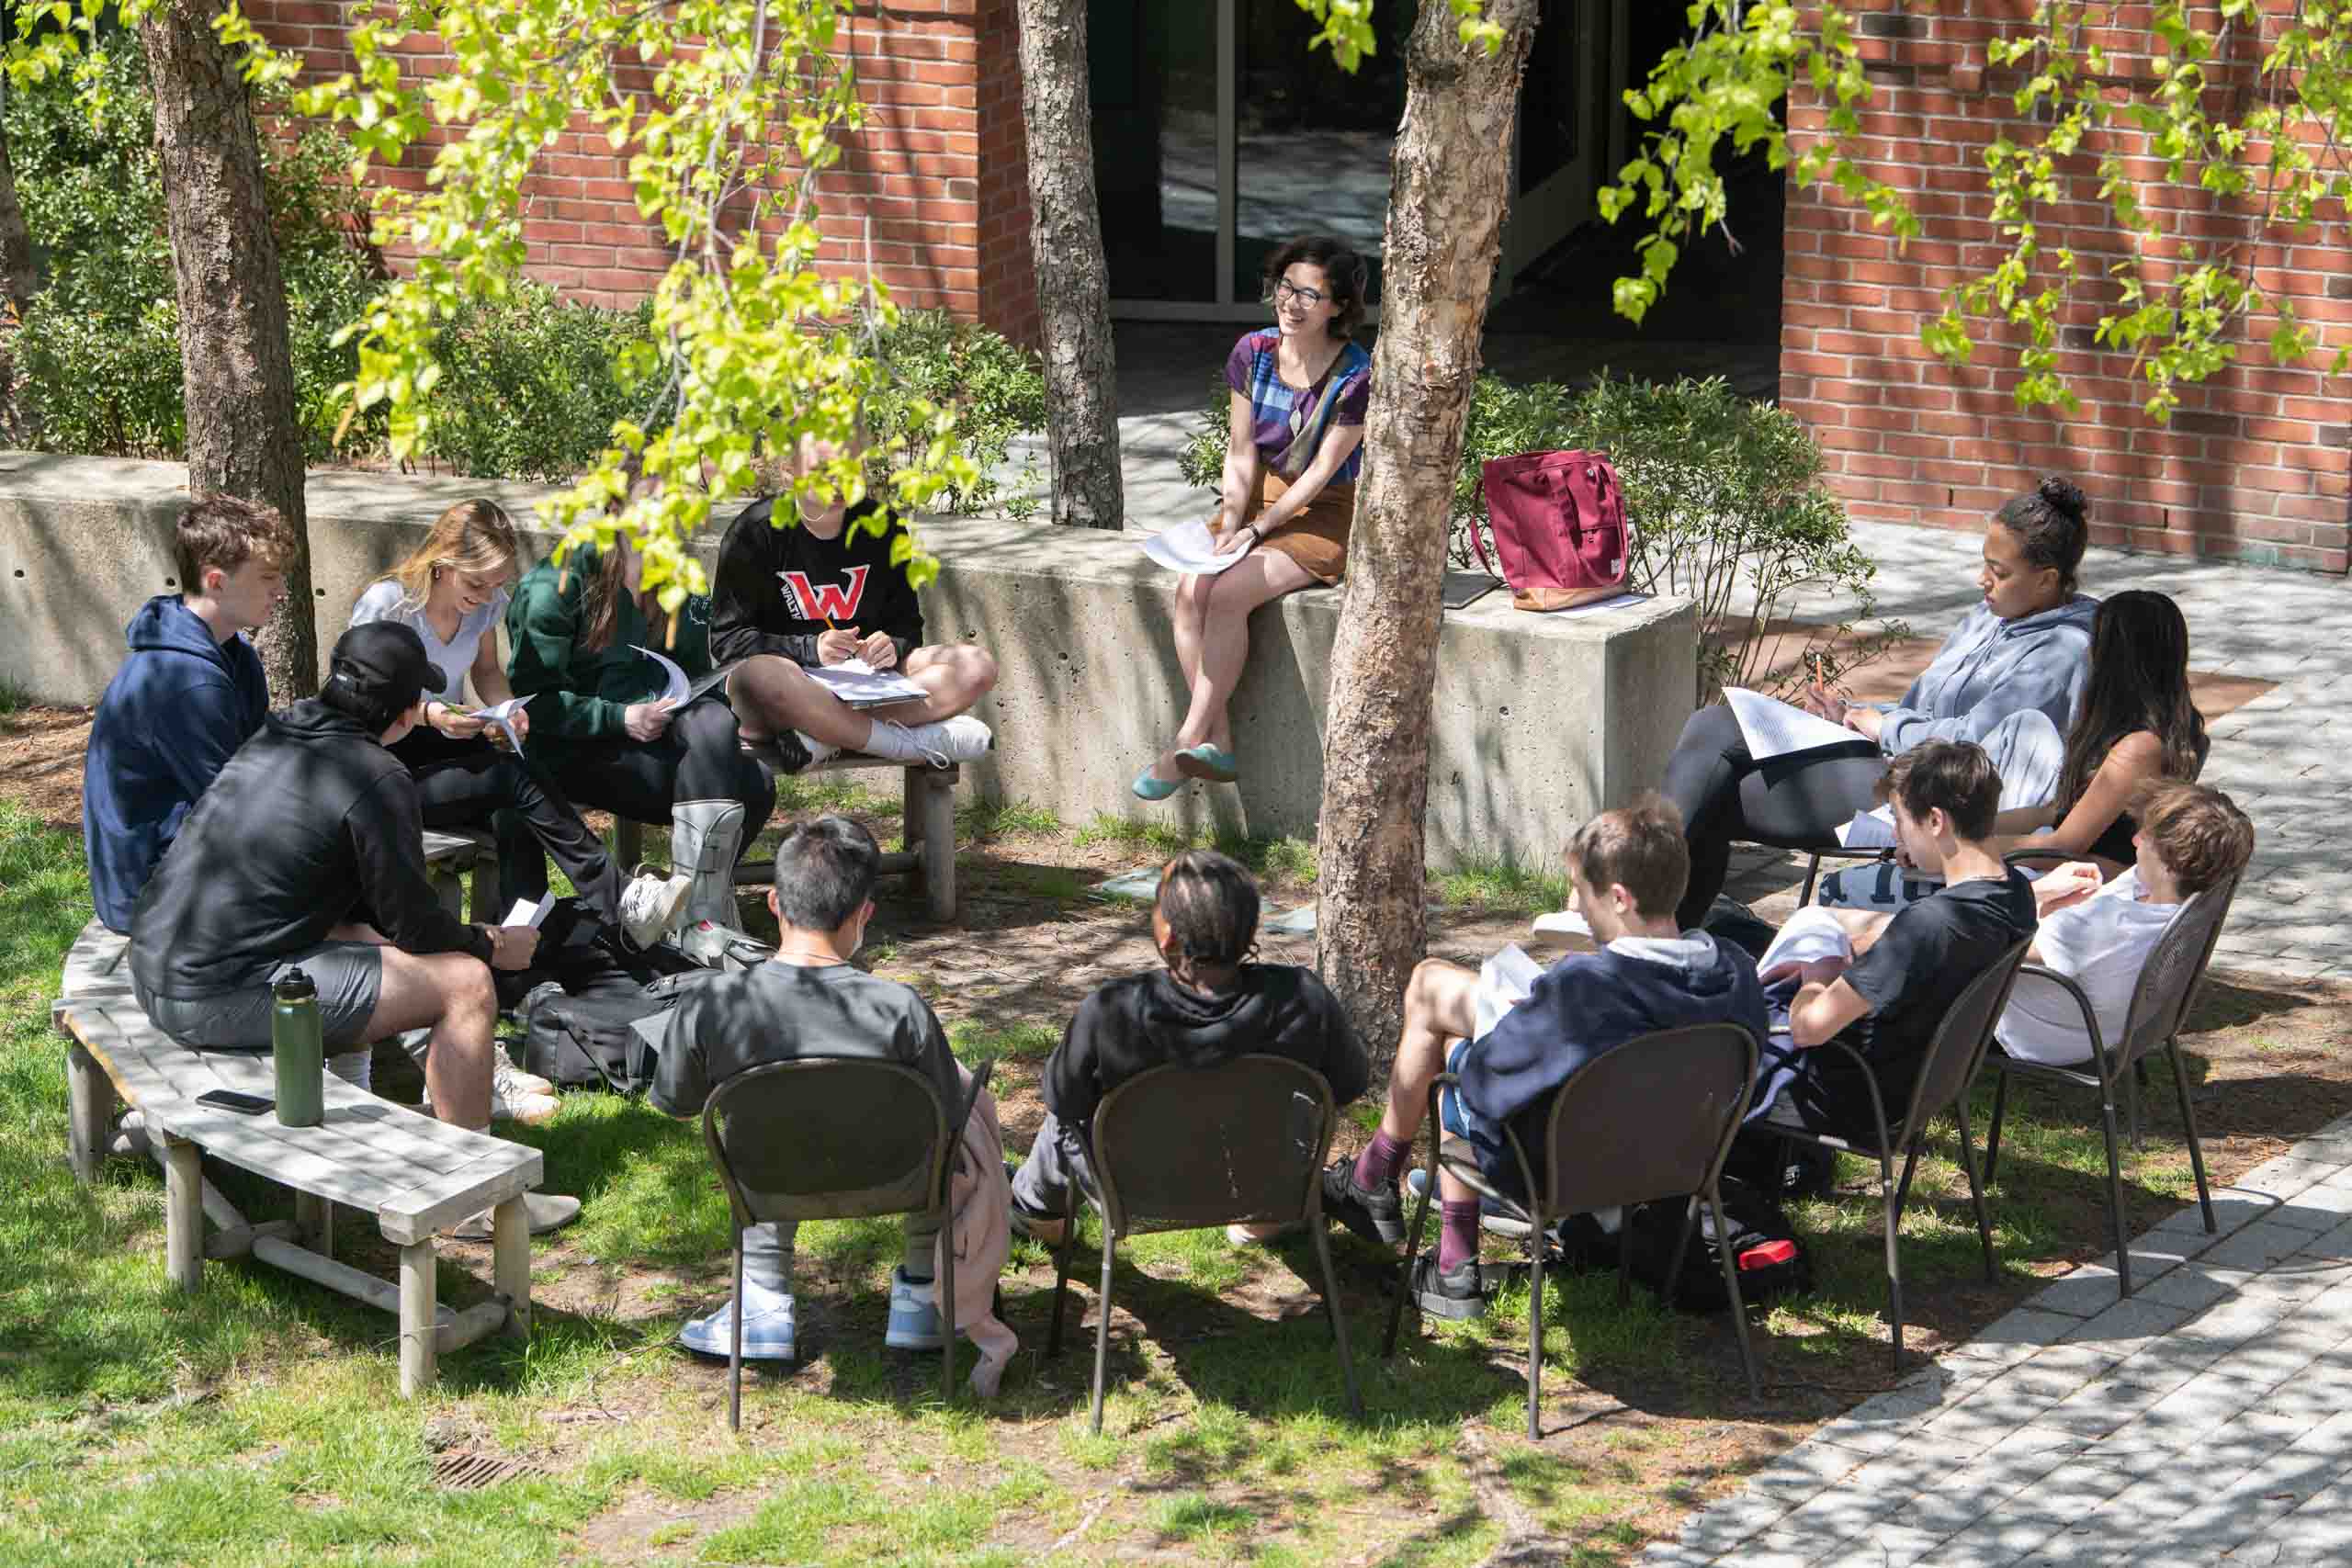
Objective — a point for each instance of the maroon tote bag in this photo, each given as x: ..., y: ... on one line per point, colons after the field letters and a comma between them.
x: 1559, y: 525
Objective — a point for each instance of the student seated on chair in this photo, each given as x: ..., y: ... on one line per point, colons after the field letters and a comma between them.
x: 1627, y: 867
x: 806, y: 577
x: 1204, y: 1006
x: 190, y: 693
x: 2190, y: 839
x: 807, y: 1002
x: 1887, y: 1000
x: 313, y: 820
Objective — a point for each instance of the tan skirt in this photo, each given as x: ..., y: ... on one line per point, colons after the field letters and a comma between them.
x: 1316, y: 538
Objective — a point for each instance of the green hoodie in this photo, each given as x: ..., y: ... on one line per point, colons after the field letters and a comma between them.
x: 579, y: 695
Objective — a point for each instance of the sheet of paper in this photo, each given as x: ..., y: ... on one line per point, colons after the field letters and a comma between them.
x: 501, y: 718
x: 859, y: 684
x: 677, y: 688
x: 1622, y: 601
x: 1773, y: 729
x: 1873, y: 830
x: 529, y: 911
x: 1190, y: 548
x: 1562, y: 922
x: 1812, y: 932
x: 1504, y: 980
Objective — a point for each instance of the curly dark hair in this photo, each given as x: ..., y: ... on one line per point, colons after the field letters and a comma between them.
x: 1343, y: 271
x: 2051, y: 526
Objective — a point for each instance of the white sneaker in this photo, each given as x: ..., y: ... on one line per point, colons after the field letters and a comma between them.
x: 818, y: 751
x: 510, y: 1080
x: 651, y: 904
x: 531, y: 1110
x: 546, y: 1211
x: 962, y: 738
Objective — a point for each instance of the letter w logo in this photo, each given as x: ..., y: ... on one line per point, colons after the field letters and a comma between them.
x: 832, y: 599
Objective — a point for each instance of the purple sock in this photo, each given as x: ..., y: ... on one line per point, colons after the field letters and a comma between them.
x: 1457, y: 1235
x: 1376, y: 1167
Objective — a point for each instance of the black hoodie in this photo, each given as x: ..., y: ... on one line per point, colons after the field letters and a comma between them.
x: 1148, y: 1021
x: 776, y: 588
x: 311, y: 818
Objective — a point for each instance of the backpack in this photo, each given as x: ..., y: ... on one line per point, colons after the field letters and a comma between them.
x: 590, y: 1040
x: 1558, y: 520
x: 581, y: 952
x: 1764, y: 1248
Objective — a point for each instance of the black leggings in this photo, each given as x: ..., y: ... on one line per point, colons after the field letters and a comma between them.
x: 1727, y: 797
x: 698, y: 758
x: 468, y: 784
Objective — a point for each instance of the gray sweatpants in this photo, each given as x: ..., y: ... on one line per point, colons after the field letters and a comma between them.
x: 1042, y: 1185
x: 767, y: 1251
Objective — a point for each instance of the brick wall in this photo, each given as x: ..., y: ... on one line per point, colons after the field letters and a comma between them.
x: 934, y: 190
x: 2258, y: 462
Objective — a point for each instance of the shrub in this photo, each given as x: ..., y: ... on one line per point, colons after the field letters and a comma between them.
x: 1723, y: 495
x: 998, y: 389
x: 529, y: 388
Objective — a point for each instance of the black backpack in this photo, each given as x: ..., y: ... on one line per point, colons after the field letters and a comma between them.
x: 1765, y: 1250
x: 591, y: 1040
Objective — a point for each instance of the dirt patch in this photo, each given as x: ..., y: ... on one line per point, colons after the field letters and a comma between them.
x: 40, y: 762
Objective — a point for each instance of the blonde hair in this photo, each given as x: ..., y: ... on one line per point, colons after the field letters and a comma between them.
x: 474, y: 536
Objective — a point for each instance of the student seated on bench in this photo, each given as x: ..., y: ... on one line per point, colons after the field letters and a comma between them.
x: 1207, y: 1005
x: 1888, y: 1000
x: 190, y: 694
x: 809, y: 1001
x: 819, y: 587
x: 312, y: 820
x: 1627, y: 867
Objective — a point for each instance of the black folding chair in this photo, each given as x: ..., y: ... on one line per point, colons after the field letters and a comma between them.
x: 1954, y: 1053
x: 2160, y: 1003
x: 835, y: 1138
x: 1182, y: 1148
x: 1651, y: 1119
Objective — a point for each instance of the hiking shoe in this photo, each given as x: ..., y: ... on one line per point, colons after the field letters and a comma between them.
x: 508, y: 1079
x: 1455, y: 1293
x: 1377, y: 1217
x: 1256, y: 1235
x: 914, y: 1313
x: 547, y: 1212
x: 650, y: 905
x: 768, y: 1330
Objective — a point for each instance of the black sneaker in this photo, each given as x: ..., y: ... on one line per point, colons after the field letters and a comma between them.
x: 1377, y: 1217
x: 1454, y: 1294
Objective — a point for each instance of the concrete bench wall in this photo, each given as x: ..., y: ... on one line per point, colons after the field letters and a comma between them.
x: 1541, y: 720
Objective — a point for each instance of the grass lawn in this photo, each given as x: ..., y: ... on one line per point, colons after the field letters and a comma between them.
x: 257, y: 1421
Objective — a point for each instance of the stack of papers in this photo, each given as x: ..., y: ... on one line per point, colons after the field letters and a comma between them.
x: 860, y: 685
x: 529, y: 912
x: 1504, y: 981
x: 1811, y: 933
x: 1774, y: 729
x: 1873, y: 830
x: 1190, y: 548
x: 502, y: 719
x: 1562, y: 922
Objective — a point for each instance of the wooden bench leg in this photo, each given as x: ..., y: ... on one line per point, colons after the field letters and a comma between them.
x: 489, y: 901
x: 314, y: 1221
x: 628, y: 843
x: 936, y: 814
x: 183, y: 1212
x: 90, y: 1103
x: 449, y: 889
x: 418, y: 1328
x: 511, y: 1263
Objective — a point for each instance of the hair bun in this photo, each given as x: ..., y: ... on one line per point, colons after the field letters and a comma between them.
x: 2065, y: 495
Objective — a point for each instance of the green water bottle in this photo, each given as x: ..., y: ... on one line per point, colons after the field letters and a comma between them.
x: 299, y: 1050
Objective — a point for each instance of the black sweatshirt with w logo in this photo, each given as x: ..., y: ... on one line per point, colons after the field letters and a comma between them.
x: 776, y: 587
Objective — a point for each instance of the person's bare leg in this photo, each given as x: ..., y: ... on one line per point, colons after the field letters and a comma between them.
x: 956, y: 675
x: 452, y: 994
x: 771, y: 693
x: 1192, y: 616
x: 1263, y: 575
x: 1441, y: 1006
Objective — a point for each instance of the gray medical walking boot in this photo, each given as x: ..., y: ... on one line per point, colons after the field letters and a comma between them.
x: 706, y: 837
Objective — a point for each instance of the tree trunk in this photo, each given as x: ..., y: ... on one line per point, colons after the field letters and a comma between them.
x: 1073, y: 280
x: 237, y: 369
x: 18, y: 274
x: 1446, y: 190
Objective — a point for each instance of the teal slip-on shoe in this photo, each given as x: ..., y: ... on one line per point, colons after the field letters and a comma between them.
x: 1208, y: 761
x: 1147, y: 787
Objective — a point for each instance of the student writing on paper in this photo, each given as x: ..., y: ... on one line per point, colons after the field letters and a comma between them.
x: 451, y: 590
x: 2023, y: 651
x: 1293, y: 452
x: 811, y: 579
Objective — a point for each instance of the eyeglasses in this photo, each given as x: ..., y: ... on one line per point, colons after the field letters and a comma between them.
x: 1284, y: 293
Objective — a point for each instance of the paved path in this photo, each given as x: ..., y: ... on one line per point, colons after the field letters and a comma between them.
x: 2208, y: 1420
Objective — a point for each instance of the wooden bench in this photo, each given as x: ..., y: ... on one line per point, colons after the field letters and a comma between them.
x: 414, y: 1174
x: 446, y: 855
x: 928, y: 825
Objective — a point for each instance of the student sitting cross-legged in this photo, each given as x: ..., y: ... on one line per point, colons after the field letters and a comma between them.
x: 1207, y: 1005
x: 1628, y: 867
x: 1908, y: 968
x: 807, y: 1001
x: 311, y: 820
x: 190, y: 693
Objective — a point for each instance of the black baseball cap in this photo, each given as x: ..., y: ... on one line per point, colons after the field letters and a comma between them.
x: 384, y: 662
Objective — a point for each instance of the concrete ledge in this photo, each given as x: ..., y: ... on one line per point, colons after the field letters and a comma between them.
x: 1541, y: 721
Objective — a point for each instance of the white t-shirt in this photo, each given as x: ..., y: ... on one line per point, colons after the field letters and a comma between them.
x: 2102, y: 944
x: 382, y: 601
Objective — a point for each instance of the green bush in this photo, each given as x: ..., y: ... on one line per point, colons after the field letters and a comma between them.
x: 996, y: 388
x: 1723, y: 494
x: 528, y: 387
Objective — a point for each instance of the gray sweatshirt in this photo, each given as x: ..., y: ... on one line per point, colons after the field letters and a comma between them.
x: 1989, y: 669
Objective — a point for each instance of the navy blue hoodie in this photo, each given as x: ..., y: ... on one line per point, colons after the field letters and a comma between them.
x: 1585, y: 1005
x: 170, y: 718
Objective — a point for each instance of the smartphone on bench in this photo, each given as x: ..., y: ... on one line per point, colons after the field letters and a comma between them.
x: 236, y: 1100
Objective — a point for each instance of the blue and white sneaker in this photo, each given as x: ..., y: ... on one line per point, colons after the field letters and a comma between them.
x: 914, y: 1313
x: 767, y: 1326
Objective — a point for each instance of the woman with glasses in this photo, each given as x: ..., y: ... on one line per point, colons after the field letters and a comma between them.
x: 1294, y: 450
